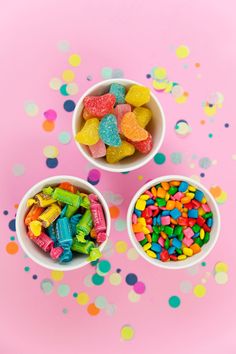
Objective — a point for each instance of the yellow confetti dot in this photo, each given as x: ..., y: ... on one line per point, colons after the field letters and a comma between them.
x: 160, y: 85
x: 221, y: 267
x: 115, y: 279
x: 234, y: 156
x: 133, y: 297
x: 132, y: 254
x: 181, y: 99
x: 74, y: 60
x: 140, y: 178
x: 50, y: 151
x: 82, y: 298
x: 72, y: 88
x: 57, y: 275
x: 182, y: 52
x: 55, y: 83
x: 127, y: 332
x: 121, y: 246
x: 31, y: 109
x: 68, y: 75
x: 160, y: 73
x: 221, y: 278
x: 210, y: 111
x: 199, y: 290
x: 222, y: 198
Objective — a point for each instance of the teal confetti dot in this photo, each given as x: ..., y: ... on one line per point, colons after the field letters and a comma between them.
x: 65, y: 311
x: 205, y: 162
x: 104, y: 266
x: 176, y: 158
x: 174, y: 301
x: 63, y: 90
x: 64, y: 137
x: 46, y: 286
x: 120, y: 225
x: 203, y: 264
x: 75, y: 294
x: 27, y: 269
x: 210, y: 135
x: 97, y: 279
x: 106, y: 73
x: 63, y: 290
x: 12, y: 238
x: 159, y: 158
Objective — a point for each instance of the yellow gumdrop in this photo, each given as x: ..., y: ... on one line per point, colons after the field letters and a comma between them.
x: 117, y: 153
x: 88, y: 135
x: 35, y: 227
x: 143, y: 116
x: 138, y: 95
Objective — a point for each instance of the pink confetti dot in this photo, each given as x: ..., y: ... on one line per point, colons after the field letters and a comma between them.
x: 50, y: 114
x: 139, y: 287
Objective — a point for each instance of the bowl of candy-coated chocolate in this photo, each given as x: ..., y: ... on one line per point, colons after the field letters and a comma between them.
x: 63, y: 223
x: 118, y: 125
x: 173, y: 222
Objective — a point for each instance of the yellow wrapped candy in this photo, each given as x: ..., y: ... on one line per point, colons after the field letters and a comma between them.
x: 143, y: 116
x: 138, y: 95
x: 35, y: 227
x: 117, y: 153
x: 88, y: 135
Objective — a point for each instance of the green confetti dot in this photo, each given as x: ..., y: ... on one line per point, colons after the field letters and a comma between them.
x: 174, y: 301
x: 27, y: 269
x: 159, y: 158
x: 97, y: 279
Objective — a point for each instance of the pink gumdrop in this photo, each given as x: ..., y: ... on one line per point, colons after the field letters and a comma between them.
x: 144, y: 146
x: 98, y: 150
x: 120, y: 111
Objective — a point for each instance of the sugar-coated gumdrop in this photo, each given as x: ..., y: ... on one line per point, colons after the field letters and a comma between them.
x: 144, y: 146
x: 138, y: 95
x: 131, y: 129
x: 108, y: 130
x: 87, y: 115
x: 118, y: 91
x: 120, y: 111
x: 98, y: 106
x: 88, y: 135
x: 98, y: 150
x: 115, y: 154
x: 143, y: 116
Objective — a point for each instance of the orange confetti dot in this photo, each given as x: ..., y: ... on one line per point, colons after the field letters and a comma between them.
x: 16, y: 206
x: 202, y: 122
x: 215, y: 191
x: 48, y: 125
x: 186, y: 94
x: 93, y: 310
x: 12, y: 248
x: 197, y: 65
x: 114, y: 211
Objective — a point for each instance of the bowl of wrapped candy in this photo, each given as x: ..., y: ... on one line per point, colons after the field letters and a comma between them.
x: 118, y: 125
x: 173, y: 222
x: 63, y: 223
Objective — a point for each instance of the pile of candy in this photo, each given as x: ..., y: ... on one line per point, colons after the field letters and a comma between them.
x: 115, y: 123
x: 61, y: 221
x: 172, y: 221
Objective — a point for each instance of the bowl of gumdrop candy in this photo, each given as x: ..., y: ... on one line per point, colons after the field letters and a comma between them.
x: 173, y: 222
x: 118, y: 125
x: 63, y: 223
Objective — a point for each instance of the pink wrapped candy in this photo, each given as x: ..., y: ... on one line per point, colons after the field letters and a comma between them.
x: 98, y: 218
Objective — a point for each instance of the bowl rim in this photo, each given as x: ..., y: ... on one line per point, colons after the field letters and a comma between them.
x: 172, y: 265
x: 31, y: 191
x: 95, y: 162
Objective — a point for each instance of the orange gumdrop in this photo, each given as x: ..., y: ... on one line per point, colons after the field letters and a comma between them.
x: 131, y: 129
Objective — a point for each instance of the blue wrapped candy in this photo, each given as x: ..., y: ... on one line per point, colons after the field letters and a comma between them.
x: 64, y: 238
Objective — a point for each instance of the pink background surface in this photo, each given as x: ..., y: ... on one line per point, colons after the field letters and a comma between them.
x: 133, y: 36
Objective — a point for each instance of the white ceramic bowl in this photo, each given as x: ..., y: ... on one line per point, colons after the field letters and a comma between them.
x: 29, y: 247
x: 156, y: 127
x: 206, y: 249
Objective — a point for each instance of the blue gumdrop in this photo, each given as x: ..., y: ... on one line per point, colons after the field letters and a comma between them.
x: 108, y: 130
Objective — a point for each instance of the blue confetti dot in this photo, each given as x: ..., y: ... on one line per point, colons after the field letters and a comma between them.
x: 131, y: 279
x: 69, y: 106
x: 226, y: 125
x: 51, y: 163
x: 5, y: 212
x: 35, y: 276
x: 202, y: 174
x: 118, y: 270
x: 12, y: 225
x: 89, y: 78
x: 148, y: 76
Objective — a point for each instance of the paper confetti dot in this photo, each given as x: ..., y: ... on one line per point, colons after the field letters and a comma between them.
x: 221, y: 278
x: 139, y: 287
x: 69, y: 106
x: 48, y: 125
x: 133, y: 297
x: 159, y: 158
x: 100, y: 302
x: 205, y: 162
x: 18, y: 169
x: 182, y: 52
x: 31, y: 109
x: 50, y: 114
x: 82, y: 298
x: 94, y: 176
x: 176, y: 157
x: 114, y: 211
x: 110, y: 309
x: 12, y: 225
x: 72, y: 88
x: 64, y: 137
x: 63, y: 90
x: 199, y: 290
x: 88, y: 281
x: 68, y: 75
x: 97, y: 279
x: 46, y: 286
x: 215, y: 191
x: 177, y: 91
x: 174, y: 301
x: 106, y: 73
x: 93, y: 310
x: 132, y: 254
x: 160, y: 73
x: 74, y: 60
x: 115, y: 279
x: 63, y: 46
x: 51, y: 163
x: 55, y: 83
x: 12, y: 248
x: 117, y: 73
x: 50, y: 151
x: 182, y: 128
x: 120, y: 225
x: 121, y: 246
x: 221, y: 267
x: 104, y: 266
x: 63, y: 290
x: 57, y: 275
x: 131, y: 279
x: 222, y: 198
x: 185, y: 287
x: 127, y: 332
